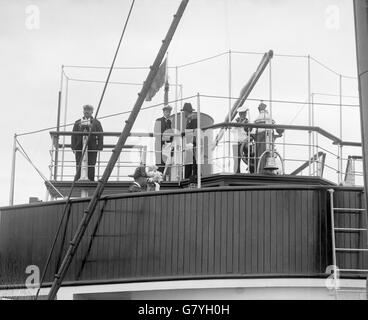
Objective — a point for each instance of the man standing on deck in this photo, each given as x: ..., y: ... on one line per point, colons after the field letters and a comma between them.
x: 190, y: 142
x: 242, y: 149
x: 95, y: 143
x: 162, y: 138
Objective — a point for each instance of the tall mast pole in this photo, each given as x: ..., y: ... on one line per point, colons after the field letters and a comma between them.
x: 166, y: 95
x: 115, y: 155
x: 361, y: 37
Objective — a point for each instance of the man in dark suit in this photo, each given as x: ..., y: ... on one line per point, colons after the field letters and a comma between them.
x: 190, y: 142
x: 95, y: 143
x: 240, y: 149
x: 162, y: 131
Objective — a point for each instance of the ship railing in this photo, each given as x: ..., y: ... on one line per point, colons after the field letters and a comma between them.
x: 294, y: 155
x: 139, y: 151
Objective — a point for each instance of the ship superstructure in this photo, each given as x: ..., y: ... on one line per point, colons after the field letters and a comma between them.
x: 278, y: 213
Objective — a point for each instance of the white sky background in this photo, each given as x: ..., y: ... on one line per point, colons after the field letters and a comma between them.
x: 86, y: 32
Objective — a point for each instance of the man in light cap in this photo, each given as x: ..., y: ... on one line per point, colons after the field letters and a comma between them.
x: 95, y: 143
x: 242, y: 147
x: 162, y: 132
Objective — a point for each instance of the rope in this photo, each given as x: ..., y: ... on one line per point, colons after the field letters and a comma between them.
x: 202, y: 60
x: 275, y: 55
x: 85, y: 148
x: 329, y: 69
x: 283, y: 101
x: 115, y: 82
x: 25, y: 155
x: 297, y: 114
x: 187, y: 98
x: 102, y: 67
x: 104, y: 117
x: 213, y: 57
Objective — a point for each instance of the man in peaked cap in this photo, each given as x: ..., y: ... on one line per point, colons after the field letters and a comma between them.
x: 87, y: 124
x: 240, y: 149
x: 190, y: 136
x: 162, y: 132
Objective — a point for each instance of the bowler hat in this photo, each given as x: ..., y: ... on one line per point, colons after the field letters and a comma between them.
x: 187, y: 107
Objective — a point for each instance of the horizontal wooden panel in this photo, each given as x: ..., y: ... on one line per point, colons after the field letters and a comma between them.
x: 212, y: 232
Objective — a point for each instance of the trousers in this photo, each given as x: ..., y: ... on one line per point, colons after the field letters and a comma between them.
x: 92, y: 157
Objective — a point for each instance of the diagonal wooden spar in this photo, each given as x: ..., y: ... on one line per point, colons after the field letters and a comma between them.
x: 245, y: 92
x: 58, y: 278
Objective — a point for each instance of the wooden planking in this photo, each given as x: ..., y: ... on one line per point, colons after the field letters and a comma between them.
x: 197, y: 241
x: 175, y: 235
x: 245, y: 232
x: 204, y: 259
x: 223, y: 231
x: 273, y: 231
x: 254, y: 243
x: 267, y: 227
x: 236, y: 232
x: 169, y: 236
x: 217, y: 236
x: 211, y: 234
x: 181, y: 235
x: 229, y: 232
x: 194, y: 233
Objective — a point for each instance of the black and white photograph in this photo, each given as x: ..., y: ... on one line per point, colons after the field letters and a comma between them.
x: 197, y: 151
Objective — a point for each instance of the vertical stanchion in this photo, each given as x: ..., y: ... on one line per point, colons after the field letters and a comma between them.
x: 283, y: 149
x: 98, y: 164
x: 229, y: 112
x: 199, y: 145
x: 314, y: 152
x: 12, y: 176
x: 48, y: 195
x: 340, y: 145
x: 313, y: 137
x: 57, y: 136
x: 176, y: 97
x: 270, y: 97
x: 309, y: 116
x: 65, y: 118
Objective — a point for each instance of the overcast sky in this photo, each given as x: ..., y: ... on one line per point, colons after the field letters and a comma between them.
x: 38, y: 37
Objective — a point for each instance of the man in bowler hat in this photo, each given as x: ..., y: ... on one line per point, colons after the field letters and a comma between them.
x: 191, y: 141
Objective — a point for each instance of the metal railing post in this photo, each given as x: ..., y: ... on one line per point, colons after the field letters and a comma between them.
x: 340, y: 145
x: 270, y: 97
x: 199, y: 155
x: 65, y: 118
x: 309, y: 115
x: 12, y: 176
x: 229, y: 112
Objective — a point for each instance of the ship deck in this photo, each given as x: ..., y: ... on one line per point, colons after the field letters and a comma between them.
x: 264, y: 229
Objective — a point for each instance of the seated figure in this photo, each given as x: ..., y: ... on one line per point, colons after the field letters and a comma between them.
x: 154, y: 178
x: 146, y: 180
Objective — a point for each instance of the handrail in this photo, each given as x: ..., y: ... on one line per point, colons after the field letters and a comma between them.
x: 105, y: 134
x: 323, y: 132
x: 307, y: 163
